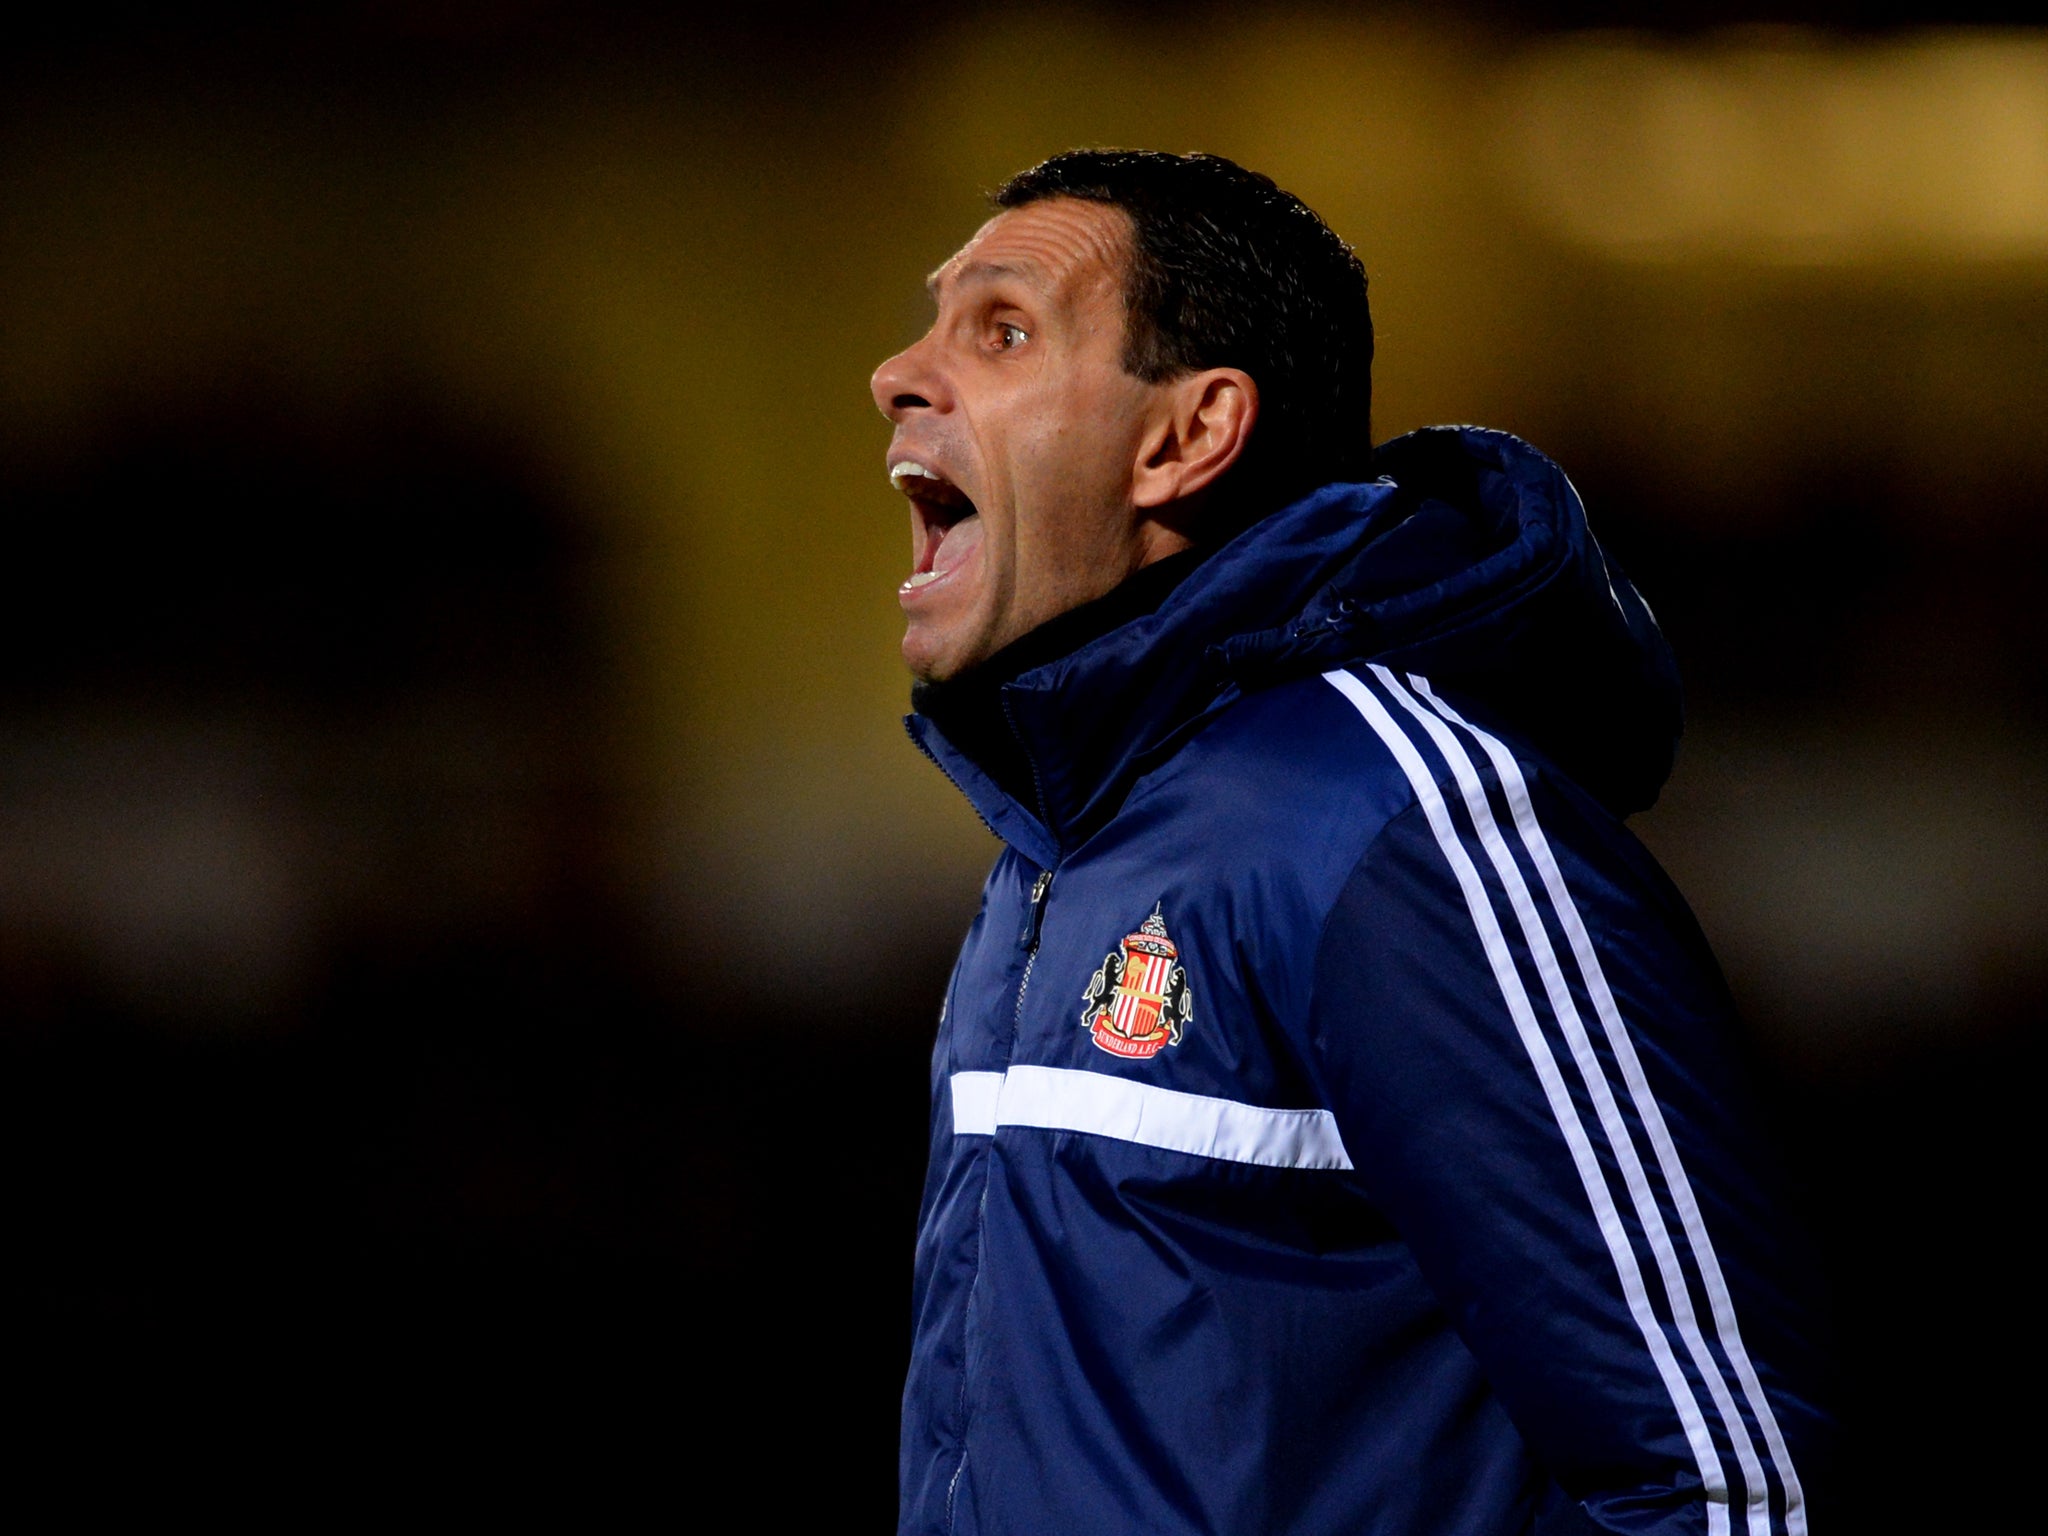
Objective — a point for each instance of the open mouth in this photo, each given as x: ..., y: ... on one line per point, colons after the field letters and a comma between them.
x: 945, y: 525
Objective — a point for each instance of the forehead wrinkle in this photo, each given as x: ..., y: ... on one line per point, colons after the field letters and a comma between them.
x: 1050, y: 245
x: 983, y: 272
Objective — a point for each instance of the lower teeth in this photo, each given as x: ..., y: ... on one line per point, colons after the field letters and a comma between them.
x: 921, y: 578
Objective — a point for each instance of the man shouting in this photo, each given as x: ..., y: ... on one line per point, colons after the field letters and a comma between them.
x: 1334, y: 1124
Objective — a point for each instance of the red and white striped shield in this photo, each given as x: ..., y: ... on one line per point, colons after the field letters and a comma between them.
x: 1137, y: 1001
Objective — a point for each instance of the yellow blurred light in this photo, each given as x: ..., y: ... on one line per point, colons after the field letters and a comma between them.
x: 1786, y: 148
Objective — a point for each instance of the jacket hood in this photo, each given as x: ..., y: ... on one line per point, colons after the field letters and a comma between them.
x: 1468, y: 561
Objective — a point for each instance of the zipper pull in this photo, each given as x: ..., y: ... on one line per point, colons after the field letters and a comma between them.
x: 1037, y: 914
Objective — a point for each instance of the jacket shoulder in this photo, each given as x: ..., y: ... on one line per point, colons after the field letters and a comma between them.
x: 1286, y: 781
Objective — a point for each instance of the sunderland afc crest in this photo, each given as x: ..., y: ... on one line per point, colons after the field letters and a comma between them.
x: 1138, y: 1000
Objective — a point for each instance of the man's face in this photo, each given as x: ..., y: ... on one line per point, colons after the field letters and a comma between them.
x: 1018, y: 435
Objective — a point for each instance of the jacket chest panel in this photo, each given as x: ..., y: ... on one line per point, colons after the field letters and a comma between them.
x: 981, y: 1020
x: 1135, y: 974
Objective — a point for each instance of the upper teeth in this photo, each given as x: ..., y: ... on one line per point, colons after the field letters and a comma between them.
x: 906, y: 470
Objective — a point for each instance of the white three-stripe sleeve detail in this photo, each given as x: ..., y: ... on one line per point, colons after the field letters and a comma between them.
x: 974, y: 1102
x: 1071, y: 1099
x: 1494, y: 942
x: 1757, y: 1492
x: 1720, y: 1300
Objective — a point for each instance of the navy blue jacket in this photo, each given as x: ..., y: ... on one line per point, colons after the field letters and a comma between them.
x: 1334, y: 1127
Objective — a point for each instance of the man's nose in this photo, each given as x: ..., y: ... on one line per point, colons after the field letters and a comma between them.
x: 908, y: 382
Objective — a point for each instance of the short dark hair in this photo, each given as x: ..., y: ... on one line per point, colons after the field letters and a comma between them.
x: 1227, y: 270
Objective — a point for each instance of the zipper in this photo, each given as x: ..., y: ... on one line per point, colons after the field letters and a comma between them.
x: 1034, y: 920
x: 1036, y: 911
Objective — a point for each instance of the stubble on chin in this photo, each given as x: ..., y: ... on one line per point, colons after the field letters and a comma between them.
x: 947, y: 656
x: 931, y: 659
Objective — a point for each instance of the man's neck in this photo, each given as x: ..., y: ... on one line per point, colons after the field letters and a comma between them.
x: 969, y: 707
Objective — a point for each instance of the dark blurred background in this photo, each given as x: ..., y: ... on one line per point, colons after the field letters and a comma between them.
x: 470, y: 925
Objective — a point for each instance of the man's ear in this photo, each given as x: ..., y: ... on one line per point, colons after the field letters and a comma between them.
x: 1206, y: 421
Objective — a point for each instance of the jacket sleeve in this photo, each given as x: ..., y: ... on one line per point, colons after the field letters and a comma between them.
x: 1528, y: 1048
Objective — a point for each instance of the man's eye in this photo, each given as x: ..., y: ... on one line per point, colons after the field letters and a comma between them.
x: 1008, y: 336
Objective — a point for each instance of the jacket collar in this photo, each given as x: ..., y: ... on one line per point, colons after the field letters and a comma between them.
x: 1469, y: 560
x: 1091, y: 722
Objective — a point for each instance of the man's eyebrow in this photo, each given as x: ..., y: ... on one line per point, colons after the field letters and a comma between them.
x: 984, y: 272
